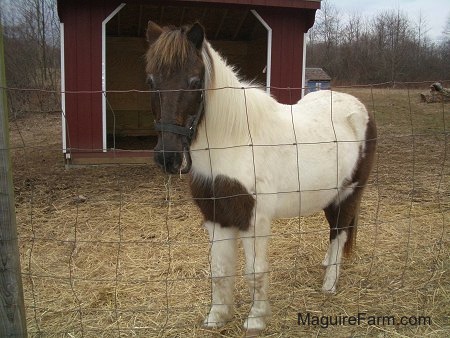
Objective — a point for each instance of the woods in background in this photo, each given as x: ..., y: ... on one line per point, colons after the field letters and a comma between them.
x: 32, y: 53
x: 387, y: 47
x: 352, y: 49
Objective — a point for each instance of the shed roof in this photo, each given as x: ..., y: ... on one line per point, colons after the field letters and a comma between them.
x: 317, y: 74
x: 307, y: 4
x: 313, y: 4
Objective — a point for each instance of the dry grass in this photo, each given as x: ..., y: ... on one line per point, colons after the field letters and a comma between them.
x: 104, y: 254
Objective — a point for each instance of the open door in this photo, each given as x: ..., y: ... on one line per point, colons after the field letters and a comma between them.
x: 240, y: 35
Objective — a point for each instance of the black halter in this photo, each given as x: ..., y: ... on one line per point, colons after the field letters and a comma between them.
x: 187, y: 131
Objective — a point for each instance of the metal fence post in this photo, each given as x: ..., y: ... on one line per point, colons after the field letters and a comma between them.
x: 12, y: 308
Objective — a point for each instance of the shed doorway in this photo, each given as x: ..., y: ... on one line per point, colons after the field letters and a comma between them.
x: 238, y: 34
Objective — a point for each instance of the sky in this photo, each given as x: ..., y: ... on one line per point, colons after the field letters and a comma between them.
x: 435, y: 12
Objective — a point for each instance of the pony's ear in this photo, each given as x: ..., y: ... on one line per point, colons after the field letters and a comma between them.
x: 153, y: 31
x: 196, y: 35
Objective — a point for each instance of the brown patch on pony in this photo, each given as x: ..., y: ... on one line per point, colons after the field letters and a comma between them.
x: 170, y: 51
x: 344, y: 217
x: 226, y: 201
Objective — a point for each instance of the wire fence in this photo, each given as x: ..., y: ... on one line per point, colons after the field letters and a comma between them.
x: 119, y: 250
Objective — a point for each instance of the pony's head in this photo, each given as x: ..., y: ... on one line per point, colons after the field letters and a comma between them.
x: 175, y: 74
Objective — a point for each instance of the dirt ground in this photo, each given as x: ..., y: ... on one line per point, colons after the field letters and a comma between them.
x: 119, y: 250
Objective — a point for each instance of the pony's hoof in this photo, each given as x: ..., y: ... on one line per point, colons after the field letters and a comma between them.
x: 330, y: 281
x: 252, y: 333
x: 329, y: 288
x: 254, y: 326
x: 216, y: 319
x: 210, y: 323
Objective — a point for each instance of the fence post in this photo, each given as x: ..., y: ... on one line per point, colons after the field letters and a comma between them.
x: 12, y: 308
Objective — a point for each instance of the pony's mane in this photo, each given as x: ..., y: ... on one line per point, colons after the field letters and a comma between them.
x: 170, y: 52
x: 234, y: 108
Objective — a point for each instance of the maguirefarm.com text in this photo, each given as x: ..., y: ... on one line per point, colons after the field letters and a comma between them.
x: 309, y: 319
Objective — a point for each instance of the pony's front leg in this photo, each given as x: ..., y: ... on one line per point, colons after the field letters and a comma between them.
x: 255, y: 242
x: 223, y: 270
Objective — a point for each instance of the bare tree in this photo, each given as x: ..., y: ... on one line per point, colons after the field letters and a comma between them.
x: 326, y: 32
x: 446, y: 30
x: 444, y: 48
x: 386, y: 47
x: 32, y: 52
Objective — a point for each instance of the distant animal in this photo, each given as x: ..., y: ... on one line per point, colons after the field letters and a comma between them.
x: 251, y: 159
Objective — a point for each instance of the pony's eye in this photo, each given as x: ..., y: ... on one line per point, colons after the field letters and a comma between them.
x: 150, y: 81
x: 194, y: 82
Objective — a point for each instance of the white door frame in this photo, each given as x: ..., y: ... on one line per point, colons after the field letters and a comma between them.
x: 269, y: 48
x: 63, y: 91
x: 104, y: 22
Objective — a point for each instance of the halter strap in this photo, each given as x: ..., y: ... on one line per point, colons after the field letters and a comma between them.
x: 174, y: 129
x: 188, y: 131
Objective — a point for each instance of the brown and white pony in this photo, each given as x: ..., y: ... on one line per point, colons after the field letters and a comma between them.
x: 252, y: 159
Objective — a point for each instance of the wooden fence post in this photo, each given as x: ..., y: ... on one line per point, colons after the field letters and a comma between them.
x: 12, y: 308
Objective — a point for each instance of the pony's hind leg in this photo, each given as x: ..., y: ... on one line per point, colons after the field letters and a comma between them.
x: 342, y: 219
x: 223, y: 269
x: 333, y: 260
x: 255, y: 242
x: 342, y: 214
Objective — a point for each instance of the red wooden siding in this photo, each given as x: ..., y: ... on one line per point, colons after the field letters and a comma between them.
x: 288, y: 19
x: 83, y: 71
x: 288, y: 28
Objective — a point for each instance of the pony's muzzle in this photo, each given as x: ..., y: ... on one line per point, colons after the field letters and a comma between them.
x: 170, y: 162
x: 173, y: 162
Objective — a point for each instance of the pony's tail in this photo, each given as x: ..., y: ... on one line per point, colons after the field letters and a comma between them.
x: 351, y: 236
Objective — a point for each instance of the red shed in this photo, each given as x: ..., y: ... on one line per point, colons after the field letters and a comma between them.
x: 106, y: 117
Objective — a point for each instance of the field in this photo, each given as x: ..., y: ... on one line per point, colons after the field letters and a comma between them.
x: 119, y: 250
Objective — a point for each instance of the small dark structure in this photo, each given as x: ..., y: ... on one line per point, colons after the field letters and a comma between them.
x: 103, y: 43
x: 317, y: 79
